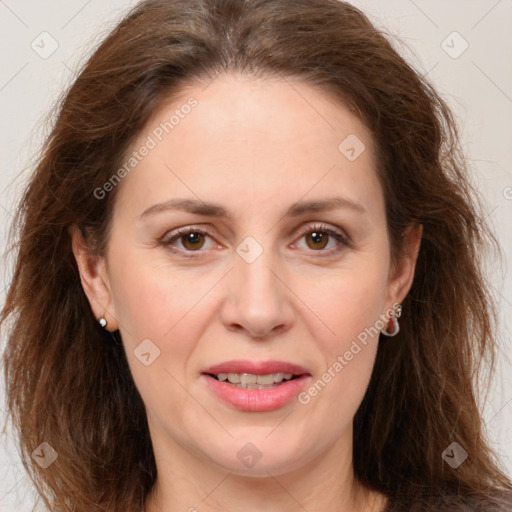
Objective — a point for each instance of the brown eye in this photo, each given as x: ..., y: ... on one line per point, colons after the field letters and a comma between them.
x: 193, y: 240
x: 186, y: 241
x: 318, y: 238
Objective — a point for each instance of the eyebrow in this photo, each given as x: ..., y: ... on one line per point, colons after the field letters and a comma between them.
x: 215, y: 210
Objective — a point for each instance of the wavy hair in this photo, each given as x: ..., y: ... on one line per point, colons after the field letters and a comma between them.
x: 68, y: 381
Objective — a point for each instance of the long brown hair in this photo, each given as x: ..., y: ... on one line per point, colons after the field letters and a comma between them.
x: 68, y: 381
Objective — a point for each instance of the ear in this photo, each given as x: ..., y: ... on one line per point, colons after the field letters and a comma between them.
x: 94, y: 278
x: 402, y: 271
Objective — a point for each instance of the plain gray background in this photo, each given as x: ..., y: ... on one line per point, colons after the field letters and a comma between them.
x: 472, y: 68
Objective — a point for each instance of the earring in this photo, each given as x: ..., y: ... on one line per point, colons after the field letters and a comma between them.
x: 103, y: 322
x: 397, y: 312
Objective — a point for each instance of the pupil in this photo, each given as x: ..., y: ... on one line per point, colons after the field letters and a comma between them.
x: 191, y: 239
x: 318, y: 238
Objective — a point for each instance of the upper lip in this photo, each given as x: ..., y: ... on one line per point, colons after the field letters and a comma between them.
x: 255, y: 367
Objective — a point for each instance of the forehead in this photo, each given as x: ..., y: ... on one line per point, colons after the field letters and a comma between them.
x: 251, y: 143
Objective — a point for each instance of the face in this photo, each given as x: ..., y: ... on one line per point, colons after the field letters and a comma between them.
x: 251, y: 234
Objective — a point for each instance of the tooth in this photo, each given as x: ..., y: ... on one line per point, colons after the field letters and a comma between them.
x: 247, y: 378
x: 265, y: 379
x: 251, y: 381
x: 255, y: 386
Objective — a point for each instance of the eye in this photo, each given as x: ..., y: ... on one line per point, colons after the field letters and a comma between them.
x: 191, y: 238
x: 318, y: 236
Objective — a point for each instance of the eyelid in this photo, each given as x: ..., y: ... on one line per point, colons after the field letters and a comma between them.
x: 323, y: 227
x: 333, y: 232
x: 175, y: 234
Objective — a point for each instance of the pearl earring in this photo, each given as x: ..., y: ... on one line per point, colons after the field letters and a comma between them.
x: 103, y: 322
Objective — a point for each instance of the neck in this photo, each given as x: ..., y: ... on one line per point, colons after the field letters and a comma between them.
x: 188, y: 483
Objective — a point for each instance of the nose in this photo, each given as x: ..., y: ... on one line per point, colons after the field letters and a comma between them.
x: 258, y: 300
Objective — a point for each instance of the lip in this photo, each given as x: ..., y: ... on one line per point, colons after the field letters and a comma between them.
x: 257, y: 400
x: 256, y: 367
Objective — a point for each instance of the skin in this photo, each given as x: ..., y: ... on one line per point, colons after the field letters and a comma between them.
x: 255, y: 146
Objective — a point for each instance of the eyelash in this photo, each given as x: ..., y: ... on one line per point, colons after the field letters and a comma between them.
x: 180, y: 232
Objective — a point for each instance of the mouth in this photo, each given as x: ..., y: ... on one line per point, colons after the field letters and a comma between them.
x: 253, y: 381
x: 256, y: 386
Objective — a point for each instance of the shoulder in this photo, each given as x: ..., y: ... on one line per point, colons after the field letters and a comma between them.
x: 449, y: 500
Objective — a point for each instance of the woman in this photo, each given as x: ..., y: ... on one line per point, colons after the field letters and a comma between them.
x: 249, y: 275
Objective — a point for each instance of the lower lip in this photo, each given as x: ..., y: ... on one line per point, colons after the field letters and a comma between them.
x: 267, y: 399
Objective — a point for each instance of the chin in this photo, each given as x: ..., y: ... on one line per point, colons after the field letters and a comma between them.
x: 258, y: 457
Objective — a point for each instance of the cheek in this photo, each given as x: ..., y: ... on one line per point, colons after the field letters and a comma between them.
x: 345, y: 302
x: 348, y: 359
x: 346, y: 307
x: 159, y: 318
x: 151, y: 300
